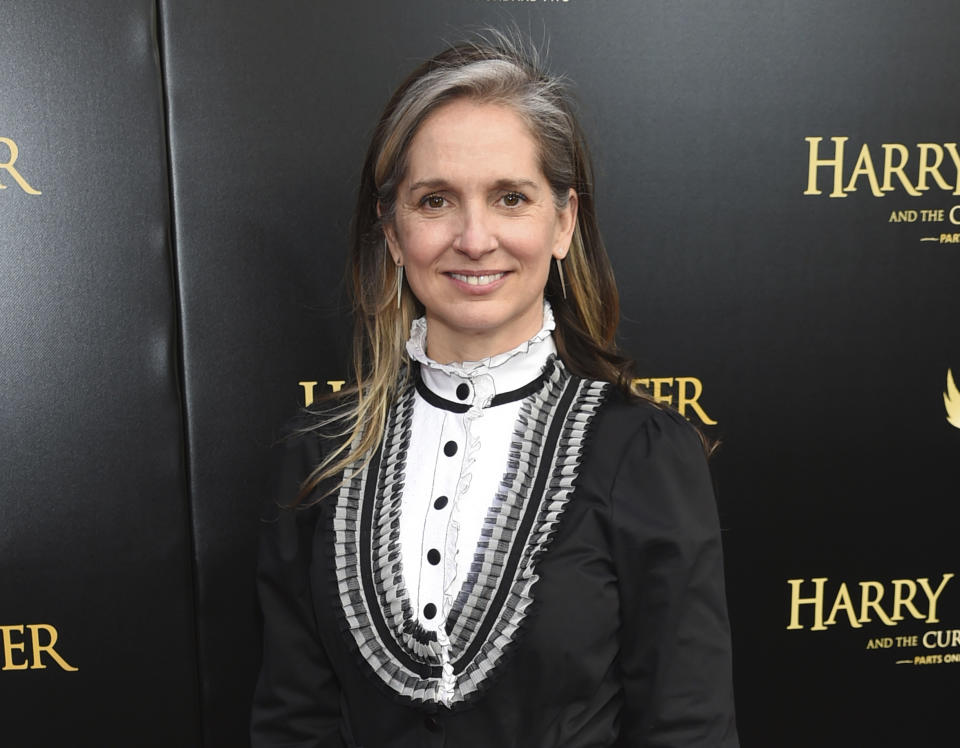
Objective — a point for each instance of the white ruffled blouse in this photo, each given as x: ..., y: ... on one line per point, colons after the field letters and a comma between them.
x: 457, y: 461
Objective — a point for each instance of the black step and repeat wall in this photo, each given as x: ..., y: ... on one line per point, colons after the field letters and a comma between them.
x: 779, y: 185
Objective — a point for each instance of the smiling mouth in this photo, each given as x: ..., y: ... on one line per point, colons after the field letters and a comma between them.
x: 477, y: 280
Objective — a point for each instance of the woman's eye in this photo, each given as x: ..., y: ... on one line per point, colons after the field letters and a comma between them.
x: 512, y: 199
x: 433, y: 201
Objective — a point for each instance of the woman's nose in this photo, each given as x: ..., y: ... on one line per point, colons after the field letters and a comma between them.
x: 477, y: 234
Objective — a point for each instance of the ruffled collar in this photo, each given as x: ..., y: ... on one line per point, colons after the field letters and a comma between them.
x: 476, y: 383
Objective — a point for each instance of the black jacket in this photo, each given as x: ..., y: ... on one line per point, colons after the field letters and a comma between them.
x: 598, y: 616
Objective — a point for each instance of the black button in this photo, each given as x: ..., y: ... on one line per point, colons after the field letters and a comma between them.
x: 433, y: 556
x: 429, y: 611
x: 441, y: 502
x: 463, y: 391
x: 431, y: 724
x: 450, y: 449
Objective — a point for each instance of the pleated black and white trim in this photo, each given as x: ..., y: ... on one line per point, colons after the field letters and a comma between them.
x: 487, y: 617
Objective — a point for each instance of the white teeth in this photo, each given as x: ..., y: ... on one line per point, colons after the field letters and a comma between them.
x: 477, y: 280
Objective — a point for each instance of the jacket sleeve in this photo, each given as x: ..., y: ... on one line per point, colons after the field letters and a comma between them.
x: 297, y: 699
x: 675, y: 658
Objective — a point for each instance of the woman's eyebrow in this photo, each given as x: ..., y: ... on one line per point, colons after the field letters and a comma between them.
x: 500, y: 184
x: 430, y: 184
x: 514, y: 184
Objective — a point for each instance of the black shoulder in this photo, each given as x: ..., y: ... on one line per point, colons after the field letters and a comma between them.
x: 305, y: 441
x: 629, y: 416
x: 629, y: 434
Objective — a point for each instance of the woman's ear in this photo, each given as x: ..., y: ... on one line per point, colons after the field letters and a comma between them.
x: 390, y: 233
x: 566, y: 223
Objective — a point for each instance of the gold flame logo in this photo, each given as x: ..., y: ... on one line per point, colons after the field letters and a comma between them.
x: 951, y: 401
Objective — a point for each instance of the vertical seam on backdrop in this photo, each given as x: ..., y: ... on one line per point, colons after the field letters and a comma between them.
x: 180, y: 348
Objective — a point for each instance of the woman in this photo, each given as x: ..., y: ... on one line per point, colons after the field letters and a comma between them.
x: 493, y: 541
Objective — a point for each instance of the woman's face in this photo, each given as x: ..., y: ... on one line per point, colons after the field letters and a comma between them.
x: 476, y: 228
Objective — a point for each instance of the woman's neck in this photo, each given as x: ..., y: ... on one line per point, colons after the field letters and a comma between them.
x: 421, y: 345
x: 447, y: 345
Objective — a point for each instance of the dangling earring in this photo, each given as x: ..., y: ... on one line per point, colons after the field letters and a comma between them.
x: 563, y: 286
x: 399, y: 282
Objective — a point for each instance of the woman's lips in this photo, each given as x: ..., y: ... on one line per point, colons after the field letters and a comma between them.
x: 474, y: 279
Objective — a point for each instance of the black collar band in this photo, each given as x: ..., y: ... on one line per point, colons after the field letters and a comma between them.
x: 500, y: 399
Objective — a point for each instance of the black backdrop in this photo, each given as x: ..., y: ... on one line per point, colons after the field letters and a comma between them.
x: 178, y: 276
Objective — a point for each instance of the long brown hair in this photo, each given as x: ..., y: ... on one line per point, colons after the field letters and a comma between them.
x: 492, y: 68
